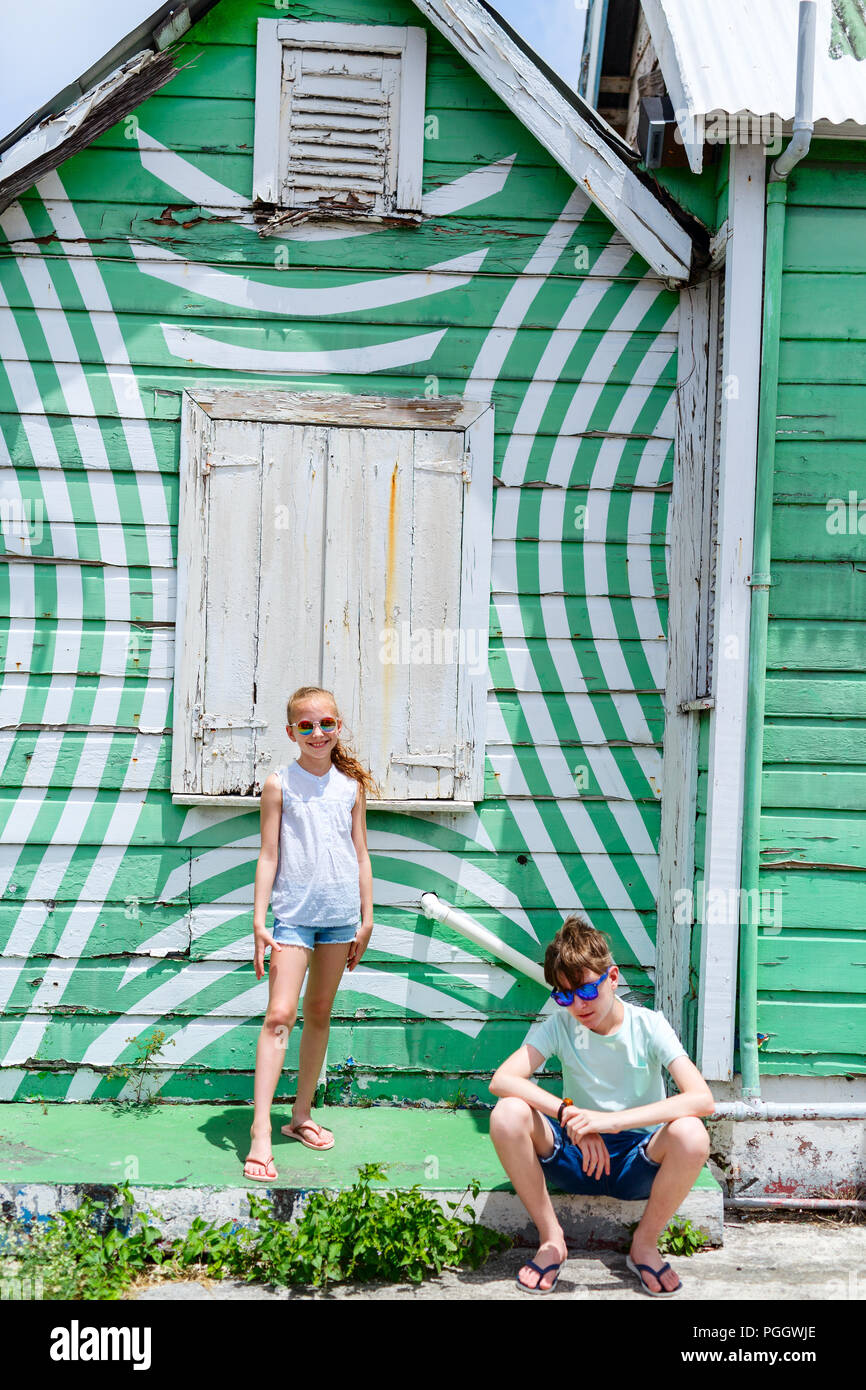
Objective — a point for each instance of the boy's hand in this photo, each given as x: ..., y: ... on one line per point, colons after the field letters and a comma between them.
x: 263, y: 939
x: 358, y: 946
x: 596, y: 1159
x: 578, y: 1123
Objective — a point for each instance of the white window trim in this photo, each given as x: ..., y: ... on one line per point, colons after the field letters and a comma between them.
x: 308, y: 407
x: 409, y: 44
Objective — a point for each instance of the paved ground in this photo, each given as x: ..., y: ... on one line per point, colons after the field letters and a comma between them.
x: 760, y: 1261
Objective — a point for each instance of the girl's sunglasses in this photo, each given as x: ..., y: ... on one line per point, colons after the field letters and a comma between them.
x: 306, y: 726
x: 590, y: 991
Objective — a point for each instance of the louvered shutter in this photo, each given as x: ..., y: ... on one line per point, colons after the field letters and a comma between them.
x: 339, y: 118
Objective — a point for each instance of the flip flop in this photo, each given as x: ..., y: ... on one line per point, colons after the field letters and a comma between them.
x: 541, y: 1273
x: 261, y: 1163
x: 653, y: 1293
x: 294, y: 1132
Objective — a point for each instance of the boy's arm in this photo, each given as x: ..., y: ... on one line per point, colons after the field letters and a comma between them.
x: 695, y: 1098
x: 512, y: 1078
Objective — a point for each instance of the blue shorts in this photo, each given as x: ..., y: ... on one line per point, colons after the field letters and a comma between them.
x: 631, y: 1172
x: 289, y: 934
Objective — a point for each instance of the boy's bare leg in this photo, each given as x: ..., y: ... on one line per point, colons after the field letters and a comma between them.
x: 285, y: 976
x: 681, y: 1147
x: 520, y: 1136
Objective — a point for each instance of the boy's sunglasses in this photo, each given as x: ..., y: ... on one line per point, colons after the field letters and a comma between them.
x: 306, y: 726
x: 590, y: 991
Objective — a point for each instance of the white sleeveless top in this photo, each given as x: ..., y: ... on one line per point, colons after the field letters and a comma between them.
x: 317, y: 882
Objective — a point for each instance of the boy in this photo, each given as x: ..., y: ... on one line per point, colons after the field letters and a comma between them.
x: 615, y: 1133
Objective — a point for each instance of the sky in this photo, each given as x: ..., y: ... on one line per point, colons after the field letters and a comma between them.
x: 81, y: 31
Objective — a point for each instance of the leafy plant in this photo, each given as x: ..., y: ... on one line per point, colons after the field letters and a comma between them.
x: 96, y: 1252
x: 140, y: 1067
x: 680, y: 1237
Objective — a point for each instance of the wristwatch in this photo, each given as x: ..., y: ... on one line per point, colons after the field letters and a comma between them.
x: 567, y: 1101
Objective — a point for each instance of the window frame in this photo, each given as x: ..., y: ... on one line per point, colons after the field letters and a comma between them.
x: 198, y: 407
x: 409, y: 44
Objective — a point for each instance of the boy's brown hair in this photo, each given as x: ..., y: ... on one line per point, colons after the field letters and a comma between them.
x: 577, y: 947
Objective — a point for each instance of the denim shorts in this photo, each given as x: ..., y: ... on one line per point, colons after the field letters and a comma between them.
x: 631, y: 1172
x: 289, y: 934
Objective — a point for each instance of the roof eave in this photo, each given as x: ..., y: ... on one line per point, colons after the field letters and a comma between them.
x: 579, y: 149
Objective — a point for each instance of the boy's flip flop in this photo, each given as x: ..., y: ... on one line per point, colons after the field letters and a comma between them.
x: 264, y: 1163
x: 530, y: 1264
x: 653, y: 1293
x: 294, y: 1132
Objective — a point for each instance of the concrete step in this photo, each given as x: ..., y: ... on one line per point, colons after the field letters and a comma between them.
x: 187, y: 1160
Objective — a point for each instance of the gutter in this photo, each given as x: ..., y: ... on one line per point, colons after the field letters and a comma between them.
x: 760, y: 579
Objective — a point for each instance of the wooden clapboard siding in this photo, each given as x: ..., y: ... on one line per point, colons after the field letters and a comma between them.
x: 118, y: 906
x: 811, y: 976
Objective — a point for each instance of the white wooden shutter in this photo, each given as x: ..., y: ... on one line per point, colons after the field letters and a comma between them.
x: 339, y: 117
x: 710, y: 509
x: 315, y: 554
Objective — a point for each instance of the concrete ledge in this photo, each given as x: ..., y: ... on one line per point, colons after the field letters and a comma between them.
x: 591, y: 1222
x: 185, y: 1161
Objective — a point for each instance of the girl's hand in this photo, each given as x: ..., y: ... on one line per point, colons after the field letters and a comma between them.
x: 263, y: 939
x: 579, y: 1122
x: 358, y: 946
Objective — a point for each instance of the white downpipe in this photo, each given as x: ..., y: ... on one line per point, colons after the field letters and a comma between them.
x: 781, y: 1110
x: 434, y: 906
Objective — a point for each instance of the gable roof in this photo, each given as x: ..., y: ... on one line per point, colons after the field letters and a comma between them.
x: 714, y: 60
x: 589, y: 150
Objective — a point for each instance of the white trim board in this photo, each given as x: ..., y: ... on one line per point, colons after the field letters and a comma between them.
x: 566, y: 136
x: 744, y: 267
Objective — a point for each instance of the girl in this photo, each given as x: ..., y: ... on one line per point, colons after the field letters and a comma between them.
x: 315, y: 870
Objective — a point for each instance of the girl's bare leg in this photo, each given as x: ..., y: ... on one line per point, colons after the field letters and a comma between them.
x: 326, y: 970
x: 285, y: 977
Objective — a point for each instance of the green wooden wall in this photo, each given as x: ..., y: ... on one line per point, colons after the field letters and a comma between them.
x: 121, y: 912
x: 812, y: 976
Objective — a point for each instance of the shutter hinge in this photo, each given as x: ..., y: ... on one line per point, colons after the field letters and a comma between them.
x: 202, y: 722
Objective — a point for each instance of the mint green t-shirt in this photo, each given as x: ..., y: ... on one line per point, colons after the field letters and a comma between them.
x: 613, y: 1071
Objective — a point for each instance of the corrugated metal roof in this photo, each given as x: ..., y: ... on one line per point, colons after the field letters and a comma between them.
x: 741, y: 56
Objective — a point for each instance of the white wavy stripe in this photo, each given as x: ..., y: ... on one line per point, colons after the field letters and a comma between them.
x: 22, y: 383
x: 19, y: 648
x: 192, y: 1038
x: 245, y: 293
x: 194, y: 347
x: 553, y: 501
x: 224, y: 858
x: 521, y: 297
x: 152, y: 501
x: 203, y: 191
x: 648, y: 473
x: 597, y: 583
x: 587, y: 841
x: 553, y: 360
x: 77, y: 931
x: 154, y: 507
x: 522, y: 808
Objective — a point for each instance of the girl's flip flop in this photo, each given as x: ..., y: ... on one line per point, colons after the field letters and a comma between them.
x: 264, y: 1163
x: 294, y: 1132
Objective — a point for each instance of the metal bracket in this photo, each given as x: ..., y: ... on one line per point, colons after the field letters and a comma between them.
x: 760, y: 581
x: 202, y: 722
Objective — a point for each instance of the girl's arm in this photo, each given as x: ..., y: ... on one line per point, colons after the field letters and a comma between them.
x: 365, y: 877
x: 695, y: 1098
x: 266, y: 868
